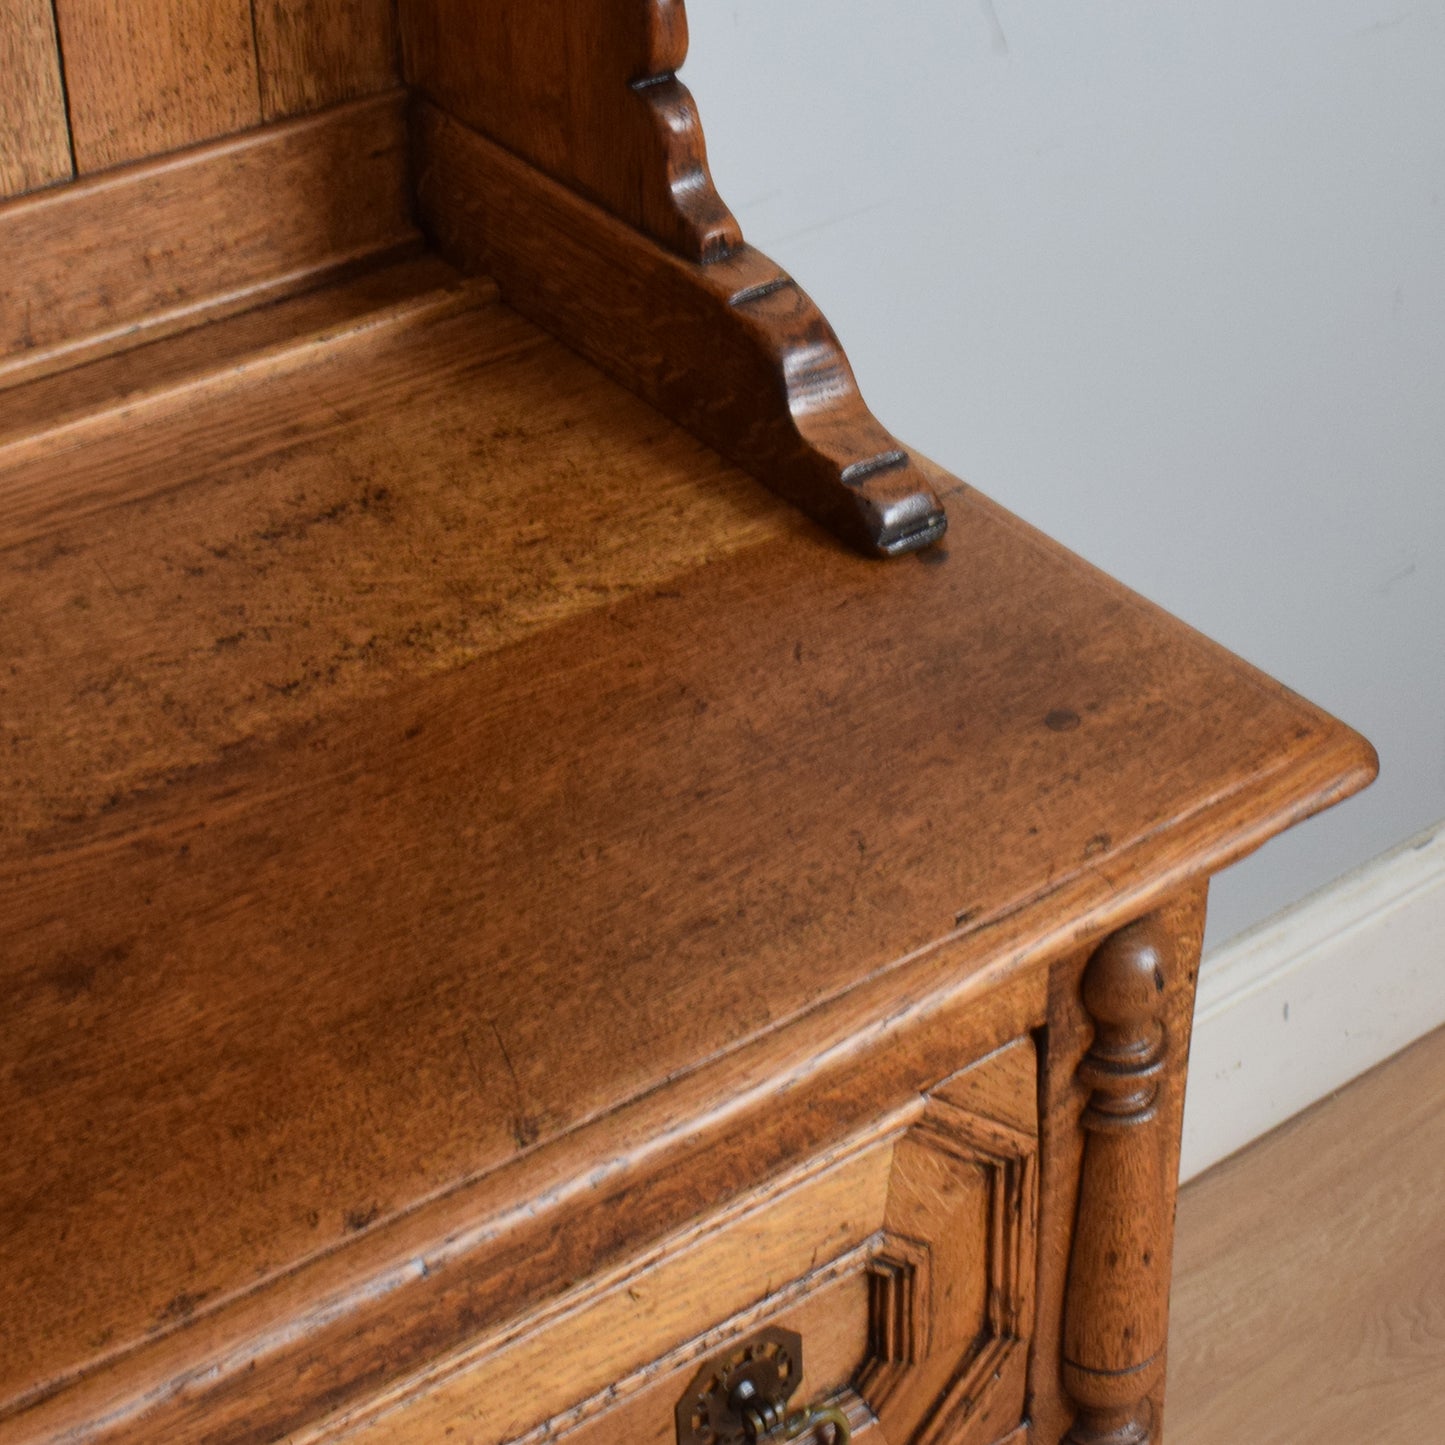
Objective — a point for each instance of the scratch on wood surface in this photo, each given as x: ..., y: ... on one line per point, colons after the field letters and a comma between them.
x: 526, y: 1127
x: 506, y: 1059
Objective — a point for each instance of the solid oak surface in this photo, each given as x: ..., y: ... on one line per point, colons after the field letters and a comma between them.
x: 164, y: 244
x: 512, y: 846
x: 155, y: 75
x: 34, y: 139
x: 779, y: 398
x: 498, y: 906
x: 587, y: 90
x: 113, y: 83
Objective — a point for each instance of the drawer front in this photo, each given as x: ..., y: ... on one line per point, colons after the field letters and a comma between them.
x: 904, y: 1261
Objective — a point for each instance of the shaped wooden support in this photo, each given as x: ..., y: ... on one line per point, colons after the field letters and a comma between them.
x: 587, y: 91
x: 1117, y: 1312
x: 555, y: 149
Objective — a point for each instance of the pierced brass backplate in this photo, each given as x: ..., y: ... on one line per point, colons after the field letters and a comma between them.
x: 742, y: 1394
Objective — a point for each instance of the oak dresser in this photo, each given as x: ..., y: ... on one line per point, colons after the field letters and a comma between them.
x: 555, y: 879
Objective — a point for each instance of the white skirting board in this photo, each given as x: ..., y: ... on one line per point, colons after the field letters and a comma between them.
x: 1296, y: 1008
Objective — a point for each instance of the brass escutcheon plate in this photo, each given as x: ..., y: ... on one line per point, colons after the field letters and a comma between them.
x: 759, y: 1373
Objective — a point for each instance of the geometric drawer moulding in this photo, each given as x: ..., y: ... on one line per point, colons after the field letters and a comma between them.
x: 952, y: 1279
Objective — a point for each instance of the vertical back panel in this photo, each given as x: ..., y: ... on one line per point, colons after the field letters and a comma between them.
x: 313, y: 53
x: 166, y: 243
x: 34, y: 143
x: 149, y: 76
x: 586, y: 91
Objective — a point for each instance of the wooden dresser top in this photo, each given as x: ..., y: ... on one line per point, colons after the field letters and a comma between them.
x: 387, y: 798
x: 445, y: 802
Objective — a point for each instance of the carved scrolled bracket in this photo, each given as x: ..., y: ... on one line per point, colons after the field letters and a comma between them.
x: 1116, y: 1312
x: 587, y: 91
x: 557, y: 149
x: 733, y: 350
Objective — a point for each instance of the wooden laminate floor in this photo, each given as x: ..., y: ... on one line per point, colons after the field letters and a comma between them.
x: 1309, y: 1299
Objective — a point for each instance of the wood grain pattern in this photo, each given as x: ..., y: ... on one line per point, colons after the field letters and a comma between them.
x: 588, y: 91
x: 748, y: 1266
x: 107, y: 397
x: 638, y: 1410
x: 1053, y: 1410
x: 961, y: 1225
x: 34, y: 136
x: 1117, y: 1296
x: 1309, y: 1296
x: 954, y: 694
x: 735, y: 351
x: 146, y: 77
x: 489, y: 893
x: 297, y: 576
x: 472, y: 1259
x: 944, y: 1188
x: 105, y: 262
x: 314, y: 53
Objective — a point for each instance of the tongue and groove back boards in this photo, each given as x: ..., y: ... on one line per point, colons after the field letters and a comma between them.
x: 128, y: 79
x: 585, y: 89
x: 581, y: 94
x: 220, y: 154
x: 312, y: 53
x: 34, y: 142
x: 146, y: 79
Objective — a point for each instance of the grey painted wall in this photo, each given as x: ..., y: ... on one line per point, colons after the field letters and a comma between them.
x: 1165, y: 277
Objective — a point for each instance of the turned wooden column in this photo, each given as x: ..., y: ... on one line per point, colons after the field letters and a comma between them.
x: 1117, y: 1303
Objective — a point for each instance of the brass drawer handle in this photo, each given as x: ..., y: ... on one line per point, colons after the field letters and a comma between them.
x: 741, y: 1397
x: 804, y: 1422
